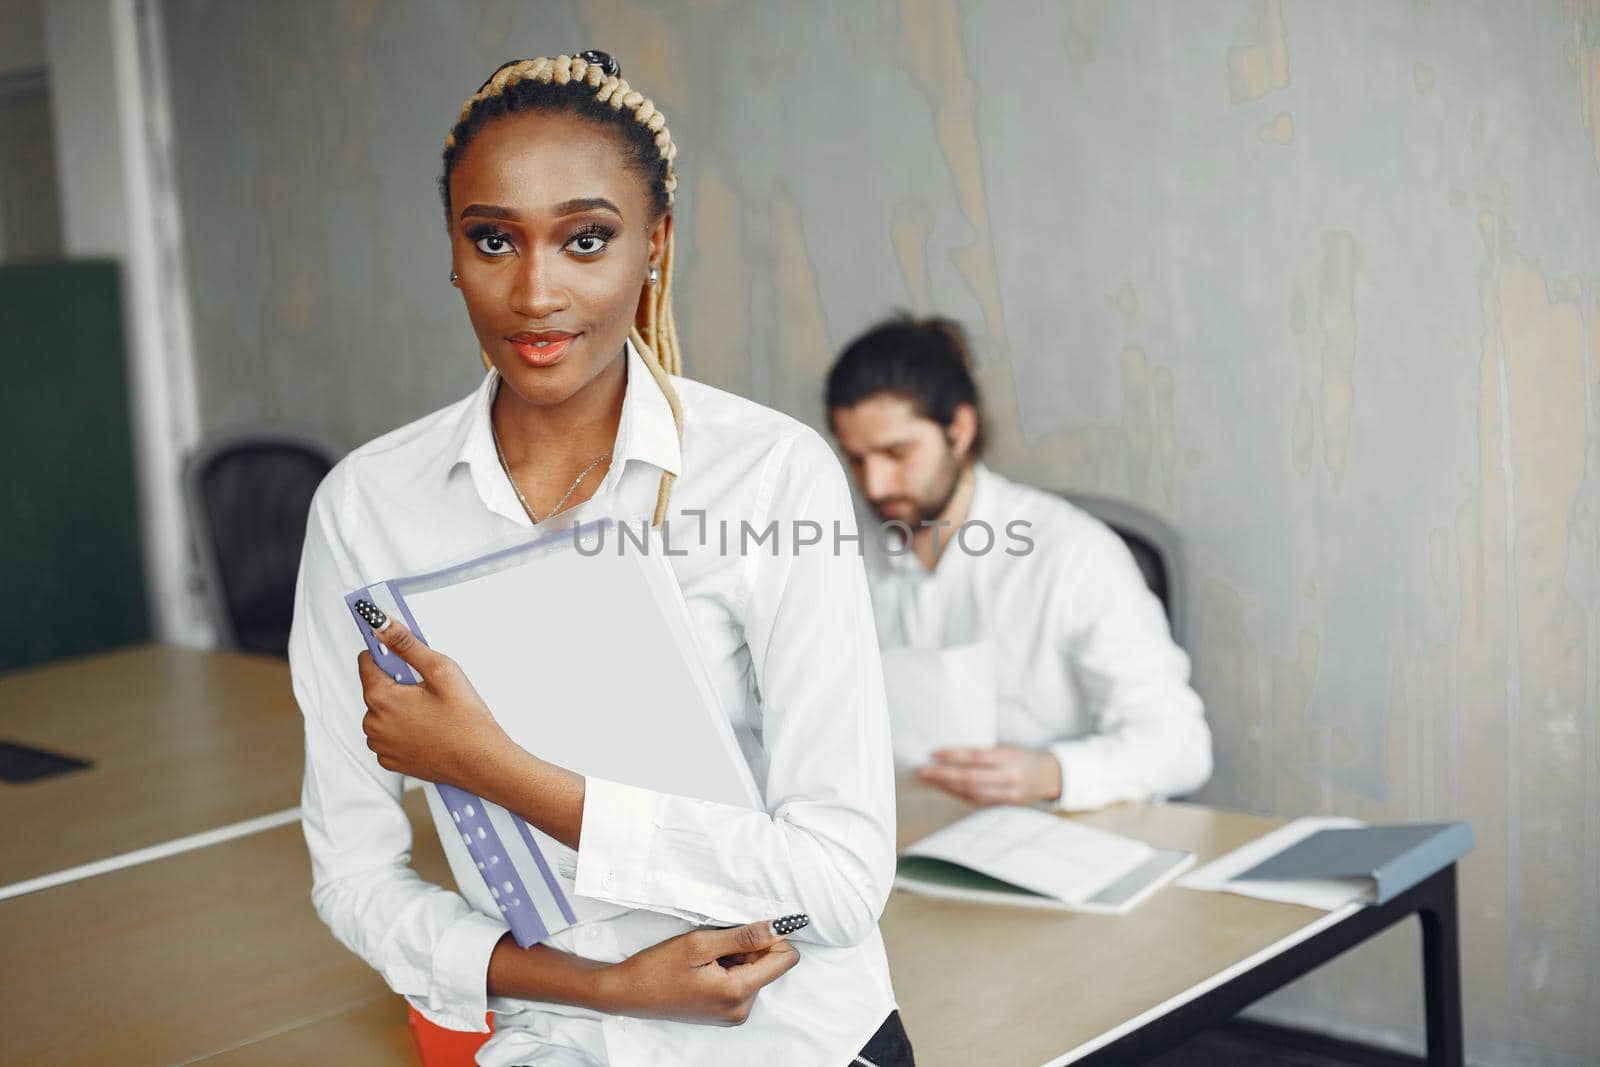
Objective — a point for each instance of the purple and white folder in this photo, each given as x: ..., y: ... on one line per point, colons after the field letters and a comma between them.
x: 580, y: 643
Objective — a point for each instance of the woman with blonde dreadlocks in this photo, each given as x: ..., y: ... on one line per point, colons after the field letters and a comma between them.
x: 707, y: 934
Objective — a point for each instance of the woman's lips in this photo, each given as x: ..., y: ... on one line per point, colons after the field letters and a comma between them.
x: 541, y: 349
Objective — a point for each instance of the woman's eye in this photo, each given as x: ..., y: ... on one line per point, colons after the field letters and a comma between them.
x: 494, y: 244
x: 587, y: 244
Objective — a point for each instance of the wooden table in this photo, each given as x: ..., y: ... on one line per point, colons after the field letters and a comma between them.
x: 203, y: 954
x: 216, y: 956
x: 181, y: 742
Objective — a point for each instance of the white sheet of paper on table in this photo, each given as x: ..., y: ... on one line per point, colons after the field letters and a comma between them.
x: 938, y: 698
x: 1326, y: 894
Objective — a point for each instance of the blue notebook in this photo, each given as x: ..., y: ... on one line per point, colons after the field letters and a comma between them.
x: 1395, y: 858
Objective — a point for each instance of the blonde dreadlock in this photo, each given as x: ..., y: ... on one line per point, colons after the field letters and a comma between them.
x: 591, y: 84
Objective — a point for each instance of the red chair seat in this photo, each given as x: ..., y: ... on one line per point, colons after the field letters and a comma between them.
x: 439, y: 1047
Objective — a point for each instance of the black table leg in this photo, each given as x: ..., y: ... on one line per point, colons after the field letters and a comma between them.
x: 1433, y: 901
x: 1441, y: 971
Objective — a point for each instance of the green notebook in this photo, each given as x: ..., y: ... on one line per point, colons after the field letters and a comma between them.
x: 1029, y: 858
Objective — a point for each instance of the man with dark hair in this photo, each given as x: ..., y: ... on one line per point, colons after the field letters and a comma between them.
x: 1003, y: 601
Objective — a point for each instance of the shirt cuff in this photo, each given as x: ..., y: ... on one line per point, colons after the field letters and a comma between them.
x: 458, y: 990
x: 614, y: 841
x: 643, y: 849
x: 1083, y: 786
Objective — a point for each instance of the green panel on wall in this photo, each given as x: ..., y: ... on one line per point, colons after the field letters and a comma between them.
x: 71, y: 579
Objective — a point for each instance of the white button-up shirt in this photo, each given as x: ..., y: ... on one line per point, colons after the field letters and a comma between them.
x: 787, y: 634
x: 1077, y: 650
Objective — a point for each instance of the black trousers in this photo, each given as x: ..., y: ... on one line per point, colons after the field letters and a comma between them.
x: 889, y: 1047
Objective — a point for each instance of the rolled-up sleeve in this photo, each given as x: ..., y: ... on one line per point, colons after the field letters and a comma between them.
x: 1150, y: 738
x: 825, y: 843
x: 428, y: 944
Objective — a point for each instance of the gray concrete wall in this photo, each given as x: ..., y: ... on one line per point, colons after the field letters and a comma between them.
x: 21, y: 37
x: 91, y: 149
x: 30, y: 228
x: 1318, y: 282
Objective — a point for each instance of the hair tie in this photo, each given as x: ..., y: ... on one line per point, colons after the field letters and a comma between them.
x: 604, y: 60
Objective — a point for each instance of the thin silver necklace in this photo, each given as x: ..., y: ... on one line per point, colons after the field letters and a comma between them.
x: 515, y: 488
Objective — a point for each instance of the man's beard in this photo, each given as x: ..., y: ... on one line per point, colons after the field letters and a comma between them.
x: 930, y: 505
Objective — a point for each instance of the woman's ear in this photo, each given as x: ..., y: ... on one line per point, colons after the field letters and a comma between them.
x: 659, y: 234
x: 963, y: 430
x: 655, y: 255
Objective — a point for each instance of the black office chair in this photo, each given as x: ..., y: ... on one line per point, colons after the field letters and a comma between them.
x: 1155, y: 548
x: 248, y: 496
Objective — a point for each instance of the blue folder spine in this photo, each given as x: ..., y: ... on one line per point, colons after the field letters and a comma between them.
x: 1450, y: 843
x: 469, y: 812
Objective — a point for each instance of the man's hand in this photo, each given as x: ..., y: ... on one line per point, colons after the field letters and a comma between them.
x: 704, y: 976
x: 439, y: 730
x: 1002, y: 774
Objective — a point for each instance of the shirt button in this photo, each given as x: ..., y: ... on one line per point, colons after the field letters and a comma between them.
x: 609, y: 880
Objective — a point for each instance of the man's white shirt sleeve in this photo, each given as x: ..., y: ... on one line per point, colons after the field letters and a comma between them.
x: 1149, y: 737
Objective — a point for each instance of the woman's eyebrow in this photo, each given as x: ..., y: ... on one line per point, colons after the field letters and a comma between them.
x: 575, y: 206
x: 586, y: 203
x: 491, y: 211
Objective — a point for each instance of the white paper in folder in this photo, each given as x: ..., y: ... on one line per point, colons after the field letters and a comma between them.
x: 586, y: 659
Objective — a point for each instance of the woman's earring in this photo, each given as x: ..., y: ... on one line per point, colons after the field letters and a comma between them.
x: 655, y: 275
x: 454, y: 277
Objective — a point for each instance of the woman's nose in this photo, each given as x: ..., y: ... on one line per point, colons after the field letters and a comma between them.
x: 538, y: 292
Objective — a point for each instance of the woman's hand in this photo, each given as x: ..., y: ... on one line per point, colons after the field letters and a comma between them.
x: 439, y: 730
x: 704, y: 976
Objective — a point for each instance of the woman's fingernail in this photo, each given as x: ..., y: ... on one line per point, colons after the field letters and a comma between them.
x: 789, y: 924
x: 373, y: 614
